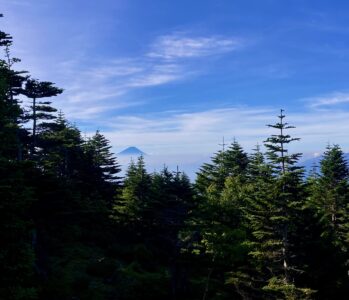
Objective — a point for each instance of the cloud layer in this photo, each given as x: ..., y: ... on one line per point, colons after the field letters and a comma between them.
x: 329, y: 100
x: 97, y: 86
x: 177, y: 46
x: 201, y: 132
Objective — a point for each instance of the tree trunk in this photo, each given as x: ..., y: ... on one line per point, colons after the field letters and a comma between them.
x: 208, y: 279
x: 34, y: 127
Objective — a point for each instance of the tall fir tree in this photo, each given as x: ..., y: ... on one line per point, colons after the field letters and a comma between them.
x: 226, y: 162
x: 220, y: 187
x: 132, y: 205
x: 103, y: 158
x: 331, y: 195
x: 250, y: 277
x: 60, y: 146
x: 10, y: 111
x: 40, y: 110
x: 329, y: 202
x: 275, y: 212
x: 17, y: 257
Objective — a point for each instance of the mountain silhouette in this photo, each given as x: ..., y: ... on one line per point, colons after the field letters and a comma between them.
x: 309, y: 164
x: 132, y: 151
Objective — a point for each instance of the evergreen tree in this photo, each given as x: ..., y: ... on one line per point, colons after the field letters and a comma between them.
x: 227, y: 162
x: 250, y: 277
x: 10, y: 111
x: 7, y: 116
x: 218, y: 217
x: 329, y: 203
x: 17, y: 258
x: 288, y: 176
x: 258, y: 168
x: 104, y: 168
x: 275, y: 211
x: 60, y: 149
x: 169, y: 208
x: 330, y: 195
x: 103, y: 158
x: 171, y: 200
x: 136, y: 194
x: 40, y: 110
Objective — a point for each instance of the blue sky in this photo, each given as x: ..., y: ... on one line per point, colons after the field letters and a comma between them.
x: 173, y: 77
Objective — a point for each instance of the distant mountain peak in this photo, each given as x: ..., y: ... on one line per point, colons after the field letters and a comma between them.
x: 131, y: 151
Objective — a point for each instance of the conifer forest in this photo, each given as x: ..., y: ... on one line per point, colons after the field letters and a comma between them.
x: 251, y: 226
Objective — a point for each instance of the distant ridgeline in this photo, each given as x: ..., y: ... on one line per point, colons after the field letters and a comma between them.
x: 250, y: 227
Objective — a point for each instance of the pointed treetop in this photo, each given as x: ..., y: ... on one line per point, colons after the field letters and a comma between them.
x: 277, y: 152
x: 223, y: 145
x: 61, y: 118
x: 334, y: 165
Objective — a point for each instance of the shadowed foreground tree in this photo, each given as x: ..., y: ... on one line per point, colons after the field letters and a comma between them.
x: 40, y: 110
x: 273, y: 213
x: 329, y: 203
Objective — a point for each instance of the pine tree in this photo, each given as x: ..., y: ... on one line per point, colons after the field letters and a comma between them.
x: 17, y: 257
x: 40, y: 110
x: 103, y: 158
x: 170, y: 204
x: 221, y: 189
x: 132, y: 206
x: 258, y: 167
x: 103, y: 167
x: 227, y: 162
x: 251, y: 276
x: 274, y: 212
x: 331, y: 195
x: 289, y: 177
x: 329, y: 202
x: 60, y: 146
x: 7, y: 117
x: 10, y: 112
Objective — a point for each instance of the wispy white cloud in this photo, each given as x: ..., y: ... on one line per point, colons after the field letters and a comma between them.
x: 178, y: 45
x: 88, y: 112
x: 329, y: 100
x: 119, y: 68
x: 158, y: 74
x: 16, y: 2
x: 200, y: 132
x: 90, y: 96
x: 93, y: 86
x: 189, y: 132
x: 105, y: 84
